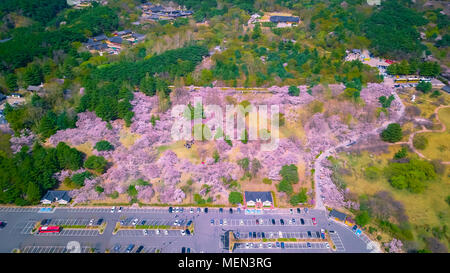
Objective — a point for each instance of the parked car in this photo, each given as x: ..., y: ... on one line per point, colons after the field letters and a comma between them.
x: 199, y: 210
x: 322, y: 233
x: 188, y: 250
x: 258, y: 234
x: 166, y: 232
x: 206, y: 210
x: 308, y: 244
x: 277, y: 244
x: 327, y: 245
x: 354, y: 228
x: 221, y: 210
x: 91, y: 222
x: 309, y: 234
x: 331, y: 231
x: 250, y: 234
x: 129, y: 248
x: 212, y: 222
x: 293, y: 220
x: 100, y: 221
x: 273, y: 221
x: 45, y: 222
x: 224, y: 222
x: 257, y: 221
x: 145, y: 232
x: 183, y: 250
x: 170, y: 209
x: 282, y: 221
x: 318, y: 234
x: 239, y: 210
x: 306, y: 210
x: 302, y: 221
x: 291, y: 211
x: 120, y: 209
x: 183, y: 232
x: 116, y: 247
x: 135, y: 221
x: 231, y: 211
x: 263, y: 235
x: 254, y: 234
x: 113, y: 209
x: 241, y: 222
x: 157, y: 232
x: 247, y: 245
x: 143, y: 222
x: 189, y: 223
x: 220, y: 222
x: 140, y: 248
x: 191, y: 210
x: 188, y: 232
x: 2, y: 224
x: 238, y: 234
x: 298, y: 210
x: 314, y: 221
x: 282, y: 244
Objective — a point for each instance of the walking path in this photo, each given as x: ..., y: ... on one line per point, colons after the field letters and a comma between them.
x: 424, y: 130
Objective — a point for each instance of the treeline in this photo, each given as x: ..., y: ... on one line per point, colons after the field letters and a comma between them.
x: 392, y: 30
x: 39, y: 117
x: 414, y: 67
x: 39, y: 10
x: 36, y: 41
x: 27, y: 175
x: 177, y: 62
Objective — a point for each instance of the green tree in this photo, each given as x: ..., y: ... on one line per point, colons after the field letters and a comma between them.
x: 294, y: 91
x: 402, y: 153
x: 103, y: 145
x: 132, y: 191
x: 425, y: 87
x: 420, y: 142
x: 11, y: 82
x: 235, y: 197
x: 33, y: 193
x: 392, y: 133
x: 362, y: 218
x: 96, y: 163
x: 290, y: 173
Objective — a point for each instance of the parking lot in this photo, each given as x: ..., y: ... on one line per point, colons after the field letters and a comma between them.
x: 15, y: 209
x: 286, y: 245
x: 263, y: 222
x: 50, y: 249
x: 72, y: 232
x: 140, y: 233
x: 276, y: 235
x: 337, y: 241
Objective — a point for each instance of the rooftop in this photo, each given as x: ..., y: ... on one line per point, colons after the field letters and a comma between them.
x: 258, y: 195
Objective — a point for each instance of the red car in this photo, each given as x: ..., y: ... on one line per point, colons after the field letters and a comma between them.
x: 314, y: 221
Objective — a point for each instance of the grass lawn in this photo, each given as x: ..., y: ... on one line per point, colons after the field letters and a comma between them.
x: 428, y: 207
x: 439, y: 143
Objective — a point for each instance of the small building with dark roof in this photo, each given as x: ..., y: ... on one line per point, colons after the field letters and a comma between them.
x: 61, y: 197
x: 2, y: 97
x: 337, y: 215
x: 446, y: 88
x: 284, y: 19
x: 100, y: 38
x: 258, y: 199
x: 34, y: 88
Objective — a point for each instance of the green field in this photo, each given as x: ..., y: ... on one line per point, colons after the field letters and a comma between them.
x: 423, y: 209
x: 439, y: 143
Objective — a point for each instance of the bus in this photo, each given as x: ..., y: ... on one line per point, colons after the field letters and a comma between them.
x: 49, y: 229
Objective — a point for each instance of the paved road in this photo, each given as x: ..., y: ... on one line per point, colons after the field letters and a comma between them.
x: 206, y: 237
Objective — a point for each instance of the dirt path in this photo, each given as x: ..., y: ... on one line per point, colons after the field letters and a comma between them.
x: 424, y: 130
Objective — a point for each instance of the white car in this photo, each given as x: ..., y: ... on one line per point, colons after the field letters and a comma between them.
x: 224, y: 222
x: 183, y: 232
x: 120, y: 209
x: 247, y: 245
x: 135, y: 221
x: 166, y: 232
x: 157, y: 232
x: 241, y: 222
x: 261, y: 221
x: 269, y: 245
x: 291, y: 211
x: 191, y: 210
x: 91, y: 222
x: 327, y: 245
x: 145, y: 232
x: 113, y: 209
x: 175, y: 223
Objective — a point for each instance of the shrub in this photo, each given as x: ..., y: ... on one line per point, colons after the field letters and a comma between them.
x: 402, y: 153
x: 267, y: 181
x: 301, y: 197
x: 96, y: 163
x: 362, y: 218
x: 372, y: 173
x: 392, y: 133
x: 290, y: 173
x: 103, y: 145
x: 132, y: 192
x: 420, y: 142
x: 425, y: 87
x: 78, y: 179
x: 294, y: 91
x: 99, y: 189
x: 235, y: 197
